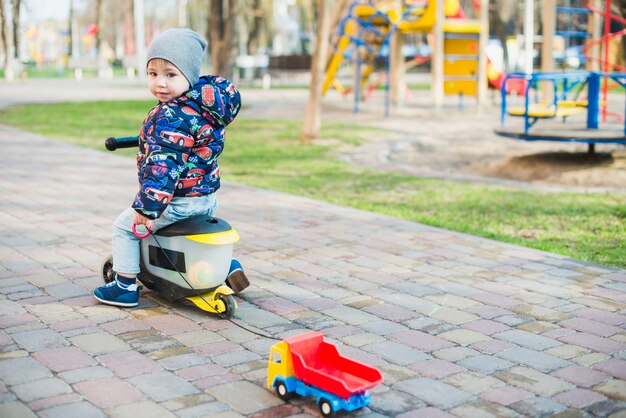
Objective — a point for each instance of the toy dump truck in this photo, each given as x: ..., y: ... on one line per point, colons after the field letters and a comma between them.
x: 309, y: 366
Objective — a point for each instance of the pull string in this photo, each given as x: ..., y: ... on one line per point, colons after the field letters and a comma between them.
x: 198, y: 294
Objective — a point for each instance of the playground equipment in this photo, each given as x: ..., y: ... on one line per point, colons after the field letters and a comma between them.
x: 309, y: 366
x: 189, y: 259
x: 603, y: 59
x: 495, y: 69
x: 568, y: 100
x: 369, y: 28
x: 571, y: 33
x: 570, y: 96
x: 598, y: 36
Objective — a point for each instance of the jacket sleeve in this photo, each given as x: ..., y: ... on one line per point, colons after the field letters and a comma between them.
x: 221, y: 99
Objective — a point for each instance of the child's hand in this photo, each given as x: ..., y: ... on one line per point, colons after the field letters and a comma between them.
x: 142, y: 220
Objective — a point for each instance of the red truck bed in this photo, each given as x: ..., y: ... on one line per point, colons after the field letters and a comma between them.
x: 319, y: 363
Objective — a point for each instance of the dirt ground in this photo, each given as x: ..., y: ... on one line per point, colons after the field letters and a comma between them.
x: 600, y: 170
x: 461, y: 144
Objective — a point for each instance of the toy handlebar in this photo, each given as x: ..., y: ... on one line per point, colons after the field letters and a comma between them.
x: 124, y: 142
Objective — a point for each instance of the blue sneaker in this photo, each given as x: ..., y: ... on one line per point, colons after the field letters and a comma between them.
x: 117, y: 293
x: 237, y: 279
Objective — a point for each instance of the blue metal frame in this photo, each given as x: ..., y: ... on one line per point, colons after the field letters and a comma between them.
x: 568, y: 81
x: 619, y: 78
x: 367, y: 26
x: 578, y: 10
x: 569, y: 33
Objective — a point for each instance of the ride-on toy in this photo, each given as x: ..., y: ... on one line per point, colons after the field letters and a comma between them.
x: 190, y: 259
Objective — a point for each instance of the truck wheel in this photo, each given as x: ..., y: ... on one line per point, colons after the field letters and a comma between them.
x: 282, y: 392
x: 107, y: 270
x: 326, y: 408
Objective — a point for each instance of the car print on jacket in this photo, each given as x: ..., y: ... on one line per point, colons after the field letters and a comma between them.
x: 200, y: 191
x: 158, y: 195
x: 156, y: 157
x: 204, y: 132
x: 204, y: 152
x: 178, y: 138
x: 180, y: 142
x: 194, y: 177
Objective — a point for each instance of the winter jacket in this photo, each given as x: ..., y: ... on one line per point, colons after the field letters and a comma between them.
x: 180, y: 142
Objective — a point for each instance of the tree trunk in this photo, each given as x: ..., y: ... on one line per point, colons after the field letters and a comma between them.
x: 129, y: 29
x: 501, y: 15
x: 99, y: 4
x: 15, y: 7
x: 258, y: 17
x: 70, y: 35
x: 397, y: 70
x: 313, y: 115
x: 499, y: 30
x: 3, y: 35
x: 221, y: 25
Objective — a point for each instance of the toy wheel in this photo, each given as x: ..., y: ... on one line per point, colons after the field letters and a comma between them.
x: 107, y: 270
x: 282, y: 392
x: 326, y: 409
x: 230, y: 304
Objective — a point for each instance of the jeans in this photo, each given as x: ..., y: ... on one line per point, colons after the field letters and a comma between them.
x: 126, y: 244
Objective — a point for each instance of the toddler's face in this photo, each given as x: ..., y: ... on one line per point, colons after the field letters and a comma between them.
x: 165, y: 80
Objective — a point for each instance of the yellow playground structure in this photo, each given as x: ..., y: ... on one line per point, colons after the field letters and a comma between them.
x: 369, y: 27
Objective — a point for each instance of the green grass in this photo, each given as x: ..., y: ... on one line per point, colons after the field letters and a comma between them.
x: 268, y: 154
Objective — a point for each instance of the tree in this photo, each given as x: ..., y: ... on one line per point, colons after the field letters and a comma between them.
x: 257, y: 26
x: 70, y: 31
x: 11, y: 50
x: 3, y: 36
x: 503, y: 15
x: 313, y: 114
x: 15, y: 8
x: 99, y: 5
x: 221, y: 34
x: 128, y: 28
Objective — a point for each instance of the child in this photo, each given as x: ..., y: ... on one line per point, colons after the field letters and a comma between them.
x: 180, y: 142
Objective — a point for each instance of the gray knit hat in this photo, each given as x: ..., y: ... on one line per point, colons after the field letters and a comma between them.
x: 182, y: 47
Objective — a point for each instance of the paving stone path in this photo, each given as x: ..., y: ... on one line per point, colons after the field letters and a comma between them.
x: 459, y: 326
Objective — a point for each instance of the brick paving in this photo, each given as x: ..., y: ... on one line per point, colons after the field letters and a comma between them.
x: 460, y: 326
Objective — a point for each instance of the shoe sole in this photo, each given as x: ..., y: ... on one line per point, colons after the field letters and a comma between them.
x: 122, y: 304
x: 237, y: 281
